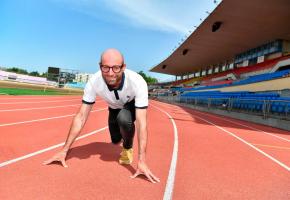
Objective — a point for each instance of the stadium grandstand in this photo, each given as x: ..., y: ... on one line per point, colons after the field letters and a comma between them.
x: 60, y: 83
x: 236, y: 63
x: 11, y: 76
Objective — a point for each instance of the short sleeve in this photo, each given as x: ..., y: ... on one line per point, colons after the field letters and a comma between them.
x: 90, y: 94
x: 141, y: 98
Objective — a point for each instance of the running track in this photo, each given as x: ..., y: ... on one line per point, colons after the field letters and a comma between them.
x: 196, y: 155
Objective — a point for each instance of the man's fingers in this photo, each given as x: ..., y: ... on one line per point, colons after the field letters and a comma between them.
x: 63, y: 163
x: 149, y: 177
x: 154, y: 177
x: 48, y: 161
x: 55, y: 159
x: 136, y: 174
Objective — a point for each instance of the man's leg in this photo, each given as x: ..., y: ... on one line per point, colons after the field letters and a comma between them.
x: 114, y: 126
x: 125, y: 119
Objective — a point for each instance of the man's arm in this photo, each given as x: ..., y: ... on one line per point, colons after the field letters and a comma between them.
x: 76, y: 127
x: 142, y: 168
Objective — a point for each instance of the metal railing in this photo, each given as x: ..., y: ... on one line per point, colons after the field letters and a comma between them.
x: 266, y: 108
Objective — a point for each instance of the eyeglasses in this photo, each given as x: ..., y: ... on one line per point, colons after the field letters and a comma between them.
x: 115, y: 68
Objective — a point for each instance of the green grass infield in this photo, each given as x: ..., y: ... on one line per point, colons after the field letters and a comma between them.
x: 22, y: 91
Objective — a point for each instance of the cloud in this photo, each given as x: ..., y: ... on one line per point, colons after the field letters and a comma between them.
x: 174, y: 16
x: 147, y: 14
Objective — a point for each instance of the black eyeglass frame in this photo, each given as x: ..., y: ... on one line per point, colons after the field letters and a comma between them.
x: 115, y: 68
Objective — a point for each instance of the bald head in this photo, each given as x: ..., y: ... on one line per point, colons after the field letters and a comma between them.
x: 112, y: 56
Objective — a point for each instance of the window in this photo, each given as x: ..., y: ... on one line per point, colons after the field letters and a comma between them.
x: 216, y: 70
x: 209, y: 71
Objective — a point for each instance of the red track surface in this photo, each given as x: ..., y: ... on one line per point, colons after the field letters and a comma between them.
x: 217, y: 158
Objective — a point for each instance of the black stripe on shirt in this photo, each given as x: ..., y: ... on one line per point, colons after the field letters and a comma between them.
x: 116, y: 94
x: 86, y: 102
x: 144, y: 107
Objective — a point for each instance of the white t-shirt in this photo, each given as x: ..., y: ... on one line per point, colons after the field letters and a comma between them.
x: 133, y: 86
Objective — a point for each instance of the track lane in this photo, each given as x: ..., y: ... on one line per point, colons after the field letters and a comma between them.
x: 215, y: 165
x: 254, y: 137
x: 47, y: 102
x: 209, y: 171
x: 22, y: 139
x: 35, y: 97
x: 268, y: 130
x: 37, y: 108
x: 28, y: 106
x: 93, y: 171
x: 27, y: 115
x: 27, y: 103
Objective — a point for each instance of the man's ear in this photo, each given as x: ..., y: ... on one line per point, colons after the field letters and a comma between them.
x: 124, y: 67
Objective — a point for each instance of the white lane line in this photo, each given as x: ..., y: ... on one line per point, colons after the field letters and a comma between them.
x: 250, y: 127
x: 48, y: 149
x: 44, y: 119
x: 271, y: 146
x: 171, y: 176
x: 28, y: 98
x: 20, y: 102
x: 39, y: 108
x: 247, y: 143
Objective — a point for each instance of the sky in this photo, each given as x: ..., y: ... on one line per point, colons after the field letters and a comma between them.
x: 71, y: 34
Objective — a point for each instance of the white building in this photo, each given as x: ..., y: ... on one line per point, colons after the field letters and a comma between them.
x: 83, y: 77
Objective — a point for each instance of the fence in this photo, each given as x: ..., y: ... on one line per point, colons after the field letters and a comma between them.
x: 265, y: 108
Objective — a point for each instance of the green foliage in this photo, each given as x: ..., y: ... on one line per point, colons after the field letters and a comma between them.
x: 44, y: 74
x: 23, y: 71
x: 148, y: 79
x: 34, y: 73
x: 16, y: 70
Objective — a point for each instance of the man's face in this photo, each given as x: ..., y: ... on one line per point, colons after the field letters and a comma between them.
x: 112, y: 74
x: 112, y: 67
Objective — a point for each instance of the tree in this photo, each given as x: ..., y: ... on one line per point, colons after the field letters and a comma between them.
x: 17, y: 70
x: 44, y: 74
x: 34, y: 73
x: 148, y: 79
x: 23, y: 71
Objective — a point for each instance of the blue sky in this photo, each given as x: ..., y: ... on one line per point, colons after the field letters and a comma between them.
x: 71, y: 34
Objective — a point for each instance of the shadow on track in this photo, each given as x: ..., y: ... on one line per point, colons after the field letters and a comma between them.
x: 108, y: 152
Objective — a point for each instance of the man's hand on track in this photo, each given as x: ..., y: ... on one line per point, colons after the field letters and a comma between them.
x: 59, y: 157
